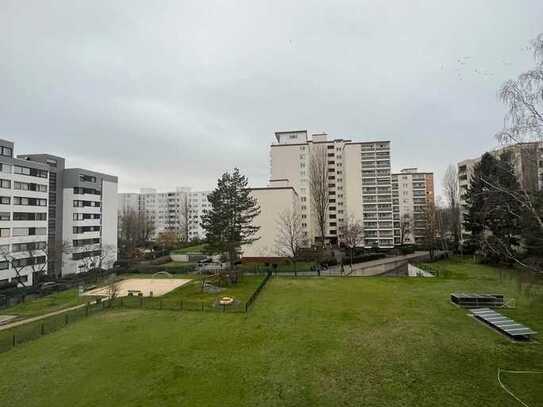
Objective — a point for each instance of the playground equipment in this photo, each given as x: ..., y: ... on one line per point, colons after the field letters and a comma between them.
x: 226, y: 301
x: 162, y: 273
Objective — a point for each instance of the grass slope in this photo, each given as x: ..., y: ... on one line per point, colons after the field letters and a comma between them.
x: 307, y: 342
x: 44, y: 305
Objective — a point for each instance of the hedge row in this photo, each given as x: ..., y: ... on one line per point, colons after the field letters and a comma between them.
x: 147, y: 269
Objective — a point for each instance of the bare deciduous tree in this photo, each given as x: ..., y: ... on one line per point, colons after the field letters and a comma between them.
x: 352, y: 235
x: 92, y: 256
x: 33, y: 257
x: 318, y: 184
x: 135, y: 229
x: 524, y: 100
x: 7, y: 257
x: 112, y: 290
x: 523, y: 122
x: 451, y: 222
x: 430, y: 229
x: 56, y: 252
x: 184, y: 217
x: 406, y: 228
x: 290, y: 234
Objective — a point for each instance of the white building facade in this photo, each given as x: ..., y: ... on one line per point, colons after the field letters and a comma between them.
x: 168, y: 210
x: 23, y: 218
x: 90, y: 220
x: 359, y: 184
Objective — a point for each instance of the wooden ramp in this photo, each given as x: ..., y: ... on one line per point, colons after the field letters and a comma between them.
x: 503, y: 324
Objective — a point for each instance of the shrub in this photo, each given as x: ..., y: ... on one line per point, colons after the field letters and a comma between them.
x: 150, y: 269
x: 161, y: 260
x: 407, y: 249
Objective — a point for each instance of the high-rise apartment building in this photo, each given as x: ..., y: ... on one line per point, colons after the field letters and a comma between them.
x: 527, y: 160
x: 413, y: 195
x: 89, y: 220
x: 38, y: 226
x: 359, y: 184
x: 168, y: 210
x: 23, y: 217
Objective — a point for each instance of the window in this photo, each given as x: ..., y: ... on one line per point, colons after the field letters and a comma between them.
x: 29, y: 261
x: 83, y: 204
x: 85, y: 242
x: 23, y: 247
x: 87, y: 178
x: 33, y: 172
x: 29, y: 231
x: 5, y: 168
x: 5, y: 200
x: 29, y: 216
x: 4, y: 265
x: 4, y: 232
x: 18, y: 200
x: 80, y: 190
x: 5, y: 183
x: 83, y: 255
x: 6, y: 151
x: 5, y: 216
x: 85, y: 229
x: 25, y: 186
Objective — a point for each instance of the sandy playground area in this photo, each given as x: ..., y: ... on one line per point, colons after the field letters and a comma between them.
x: 146, y: 286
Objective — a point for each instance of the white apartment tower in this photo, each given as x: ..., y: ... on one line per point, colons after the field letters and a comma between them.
x: 23, y: 217
x: 167, y: 210
x: 90, y: 220
x: 359, y: 182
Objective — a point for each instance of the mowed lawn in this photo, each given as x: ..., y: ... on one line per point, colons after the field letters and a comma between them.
x: 50, y: 303
x: 306, y: 342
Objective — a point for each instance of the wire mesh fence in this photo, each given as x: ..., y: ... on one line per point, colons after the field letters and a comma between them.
x: 12, y: 337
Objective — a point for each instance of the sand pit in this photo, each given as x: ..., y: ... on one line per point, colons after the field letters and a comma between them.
x: 144, y: 285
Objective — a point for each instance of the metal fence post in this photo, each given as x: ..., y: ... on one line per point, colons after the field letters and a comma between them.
x: 66, y: 319
x: 13, y: 341
x: 42, y: 330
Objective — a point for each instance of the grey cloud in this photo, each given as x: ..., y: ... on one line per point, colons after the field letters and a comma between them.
x: 176, y: 92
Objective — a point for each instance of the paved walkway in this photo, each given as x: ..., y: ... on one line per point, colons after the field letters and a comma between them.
x: 39, y: 317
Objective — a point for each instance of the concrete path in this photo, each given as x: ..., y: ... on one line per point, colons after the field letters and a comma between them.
x: 383, y: 266
x: 39, y: 317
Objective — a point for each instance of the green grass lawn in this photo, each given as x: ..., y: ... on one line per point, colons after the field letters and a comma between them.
x: 44, y: 305
x: 199, y: 248
x: 306, y: 342
x: 192, y: 292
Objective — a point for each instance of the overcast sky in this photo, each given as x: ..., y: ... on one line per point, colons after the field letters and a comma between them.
x: 173, y: 93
